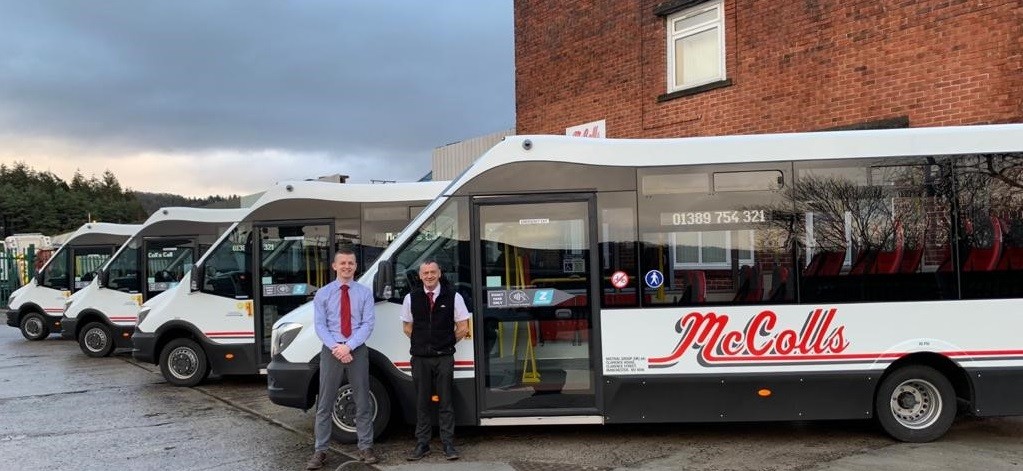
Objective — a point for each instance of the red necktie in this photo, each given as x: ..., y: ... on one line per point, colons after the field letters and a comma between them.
x: 346, y: 312
x: 429, y: 295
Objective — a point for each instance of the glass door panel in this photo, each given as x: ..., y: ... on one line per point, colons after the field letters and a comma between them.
x: 167, y: 261
x: 537, y: 307
x: 86, y: 261
x: 294, y: 261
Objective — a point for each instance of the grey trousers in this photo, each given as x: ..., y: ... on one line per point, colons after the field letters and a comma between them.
x: 332, y: 372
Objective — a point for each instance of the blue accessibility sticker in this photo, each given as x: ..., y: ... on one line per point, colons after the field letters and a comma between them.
x: 543, y: 297
x: 654, y: 278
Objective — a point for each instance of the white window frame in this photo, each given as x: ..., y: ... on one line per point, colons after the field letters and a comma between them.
x: 679, y: 265
x: 675, y: 35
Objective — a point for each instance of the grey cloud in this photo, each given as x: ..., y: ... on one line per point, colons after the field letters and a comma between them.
x: 392, y: 79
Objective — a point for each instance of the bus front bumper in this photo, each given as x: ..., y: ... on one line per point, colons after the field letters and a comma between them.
x: 12, y: 317
x: 122, y: 336
x: 67, y: 327
x: 143, y: 347
x: 288, y: 383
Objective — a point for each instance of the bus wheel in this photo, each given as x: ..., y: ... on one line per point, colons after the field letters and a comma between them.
x: 33, y: 327
x: 183, y: 363
x: 344, y: 411
x: 915, y: 404
x: 96, y: 340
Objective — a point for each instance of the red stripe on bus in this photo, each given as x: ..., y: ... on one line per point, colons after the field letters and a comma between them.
x: 408, y: 364
x: 855, y: 356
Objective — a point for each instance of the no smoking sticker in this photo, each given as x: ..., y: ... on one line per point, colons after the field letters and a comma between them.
x: 619, y: 279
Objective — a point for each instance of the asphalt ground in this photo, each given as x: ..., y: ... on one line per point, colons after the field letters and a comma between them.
x: 62, y: 410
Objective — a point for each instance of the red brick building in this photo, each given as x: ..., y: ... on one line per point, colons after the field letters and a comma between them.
x: 655, y: 68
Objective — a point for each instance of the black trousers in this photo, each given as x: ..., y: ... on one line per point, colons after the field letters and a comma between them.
x: 434, y: 375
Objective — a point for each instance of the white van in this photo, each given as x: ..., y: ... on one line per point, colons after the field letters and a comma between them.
x: 102, y: 315
x: 272, y: 261
x: 36, y: 307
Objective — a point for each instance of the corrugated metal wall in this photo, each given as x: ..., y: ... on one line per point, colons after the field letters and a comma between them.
x: 450, y: 160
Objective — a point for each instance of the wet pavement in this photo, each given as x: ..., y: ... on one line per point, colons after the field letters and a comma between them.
x: 62, y: 410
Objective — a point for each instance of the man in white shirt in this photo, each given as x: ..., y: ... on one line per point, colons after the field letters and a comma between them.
x: 435, y: 318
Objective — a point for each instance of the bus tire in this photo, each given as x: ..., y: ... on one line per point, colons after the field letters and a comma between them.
x: 915, y: 404
x: 33, y: 327
x: 183, y: 363
x: 96, y: 340
x: 343, y: 414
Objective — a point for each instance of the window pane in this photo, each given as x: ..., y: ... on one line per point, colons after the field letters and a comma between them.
x: 687, y: 247
x: 123, y: 272
x: 87, y: 261
x: 227, y: 269
x: 675, y: 184
x: 718, y: 247
x: 714, y: 247
x: 617, y: 245
x: 747, y: 181
x: 695, y: 19
x: 874, y: 230
x: 990, y: 226
x: 443, y: 238
x: 743, y: 241
x: 697, y: 57
x: 55, y: 273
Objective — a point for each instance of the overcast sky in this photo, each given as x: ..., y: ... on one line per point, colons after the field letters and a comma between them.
x: 221, y: 97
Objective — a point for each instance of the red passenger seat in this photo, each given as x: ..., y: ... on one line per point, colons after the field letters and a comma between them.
x: 985, y: 259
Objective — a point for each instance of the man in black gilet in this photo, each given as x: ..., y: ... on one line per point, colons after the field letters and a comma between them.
x: 435, y: 318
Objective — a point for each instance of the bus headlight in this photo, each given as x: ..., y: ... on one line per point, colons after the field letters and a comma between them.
x: 283, y: 336
x: 142, y: 315
x: 67, y: 304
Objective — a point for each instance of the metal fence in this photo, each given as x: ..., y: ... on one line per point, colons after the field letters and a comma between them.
x: 16, y: 268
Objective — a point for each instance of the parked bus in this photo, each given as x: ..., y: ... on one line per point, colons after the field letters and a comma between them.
x: 273, y: 260
x: 36, y: 307
x: 831, y: 275
x: 102, y: 315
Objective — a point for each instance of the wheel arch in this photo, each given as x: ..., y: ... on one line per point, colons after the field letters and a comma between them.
x: 955, y: 374
x: 175, y: 330
x: 87, y: 316
x: 30, y: 308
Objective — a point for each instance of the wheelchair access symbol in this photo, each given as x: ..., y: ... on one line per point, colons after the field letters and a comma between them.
x: 654, y: 278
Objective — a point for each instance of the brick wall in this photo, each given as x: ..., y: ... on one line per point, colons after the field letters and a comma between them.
x: 794, y: 66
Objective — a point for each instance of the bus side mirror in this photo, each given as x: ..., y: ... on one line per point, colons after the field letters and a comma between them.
x: 102, y: 278
x: 383, y: 281
x: 39, y: 278
x: 197, y: 275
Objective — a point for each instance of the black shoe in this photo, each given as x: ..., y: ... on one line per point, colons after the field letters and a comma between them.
x: 367, y: 456
x: 421, y: 450
x: 317, y: 461
x: 450, y: 453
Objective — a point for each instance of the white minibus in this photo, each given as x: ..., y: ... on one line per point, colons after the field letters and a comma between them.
x: 830, y: 275
x: 36, y: 307
x: 102, y: 315
x: 270, y: 262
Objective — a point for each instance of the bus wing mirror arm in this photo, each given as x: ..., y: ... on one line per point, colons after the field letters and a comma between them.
x: 198, y: 272
x: 383, y: 280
